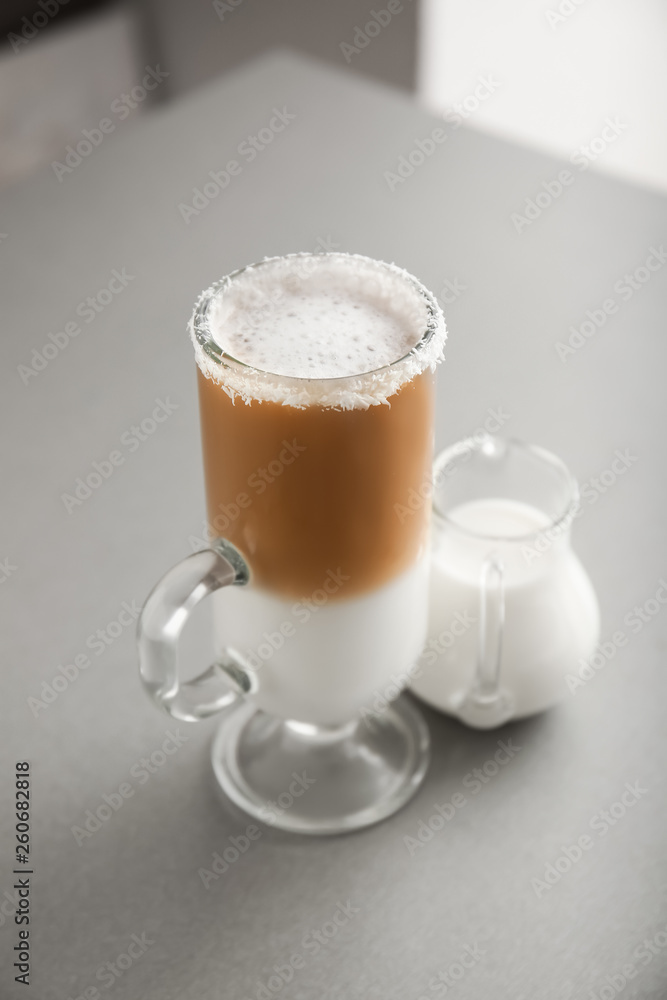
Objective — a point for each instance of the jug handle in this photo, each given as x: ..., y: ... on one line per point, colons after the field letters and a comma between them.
x: 487, y: 704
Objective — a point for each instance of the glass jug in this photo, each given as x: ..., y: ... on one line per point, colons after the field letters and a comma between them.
x: 512, y: 610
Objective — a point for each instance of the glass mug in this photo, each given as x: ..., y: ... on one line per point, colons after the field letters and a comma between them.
x: 512, y: 609
x: 320, y: 591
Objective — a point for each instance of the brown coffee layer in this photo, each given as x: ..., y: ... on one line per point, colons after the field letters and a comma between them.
x: 301, y: 492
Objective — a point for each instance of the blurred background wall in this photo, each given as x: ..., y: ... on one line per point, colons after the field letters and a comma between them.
x: 563, y: 68
x: 547, y: 73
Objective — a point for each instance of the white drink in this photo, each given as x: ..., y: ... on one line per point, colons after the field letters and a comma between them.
x: 323, y: 662
x: 551, y: 612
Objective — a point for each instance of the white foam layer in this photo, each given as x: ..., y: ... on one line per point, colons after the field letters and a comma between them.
x: 326, y: 321
x: 317, y: 329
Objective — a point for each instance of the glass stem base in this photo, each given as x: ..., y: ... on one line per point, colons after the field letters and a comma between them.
x: 317, y: 779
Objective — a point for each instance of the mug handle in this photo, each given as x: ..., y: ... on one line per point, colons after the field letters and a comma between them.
x: 167, y: 609
x: 487, y: 704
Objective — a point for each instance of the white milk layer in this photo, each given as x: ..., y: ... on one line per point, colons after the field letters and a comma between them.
x: 321, y: 661
x: 499, y: 518
x: 551, y: 612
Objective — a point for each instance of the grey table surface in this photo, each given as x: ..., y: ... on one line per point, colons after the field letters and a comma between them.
x: 68, y: 569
